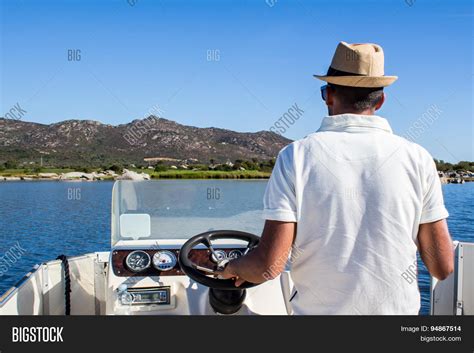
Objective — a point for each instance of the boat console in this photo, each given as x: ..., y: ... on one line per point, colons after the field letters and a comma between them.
x: 165, y: 253
x: 157, y: 263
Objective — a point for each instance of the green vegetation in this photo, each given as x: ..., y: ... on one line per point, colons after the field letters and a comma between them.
x: 33, y: 171
x: 116, y: 168
x: 10, y: 164
x: 239, y: 169
x: 160, y: 167
x: 461, y: 166
x: 209, y: 174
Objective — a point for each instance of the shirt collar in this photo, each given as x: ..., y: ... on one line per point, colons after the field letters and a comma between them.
x: 354, y: 122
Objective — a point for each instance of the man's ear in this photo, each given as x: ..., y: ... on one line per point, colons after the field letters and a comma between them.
x: 380, y: 102
x: 329, y: 96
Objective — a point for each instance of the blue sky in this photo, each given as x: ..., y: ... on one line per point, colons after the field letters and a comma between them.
x: 155, y: 53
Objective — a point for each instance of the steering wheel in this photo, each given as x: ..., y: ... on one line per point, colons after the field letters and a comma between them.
x: 196, y: 272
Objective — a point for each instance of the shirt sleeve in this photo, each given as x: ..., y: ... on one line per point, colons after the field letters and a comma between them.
x: 433, y: 203
x: 279, y: 201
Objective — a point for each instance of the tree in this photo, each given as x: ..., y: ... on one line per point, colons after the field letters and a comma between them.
x: 237, y: 164
x: 116, y: 168
x: 464, y: 165
x: 11, y: 164
x: 160, y: 167
x: 223, y: 167
x: 442, y: 165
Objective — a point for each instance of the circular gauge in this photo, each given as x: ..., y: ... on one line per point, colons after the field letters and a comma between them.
x: 235, y: 254
x: 164, y: 260
x: 219, y: 255
x: 138, y: 261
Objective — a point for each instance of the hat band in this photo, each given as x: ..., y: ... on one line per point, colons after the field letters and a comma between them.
x: 335, y: 72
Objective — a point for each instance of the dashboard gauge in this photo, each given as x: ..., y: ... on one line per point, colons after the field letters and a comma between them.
x: 235, y: 254
x: 164, y: 260
x: 218, y: 256
x: 138, y: 261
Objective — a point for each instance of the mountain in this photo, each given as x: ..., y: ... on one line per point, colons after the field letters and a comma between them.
x: 91, y: 143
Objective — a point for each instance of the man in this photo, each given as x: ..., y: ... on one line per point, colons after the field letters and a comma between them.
x: 355, y: 200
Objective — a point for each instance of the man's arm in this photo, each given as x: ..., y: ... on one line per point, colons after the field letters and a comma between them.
x: 436, y: 248
x: 268, y: 259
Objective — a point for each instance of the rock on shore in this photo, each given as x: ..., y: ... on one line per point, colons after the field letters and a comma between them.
x: 76, y: 176
x: 131, y: 175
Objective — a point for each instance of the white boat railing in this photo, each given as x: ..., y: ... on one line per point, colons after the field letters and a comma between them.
x: 455, y: 295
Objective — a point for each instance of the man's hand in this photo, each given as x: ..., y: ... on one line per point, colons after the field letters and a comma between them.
x: 229, y: 273
x: 268, y: 259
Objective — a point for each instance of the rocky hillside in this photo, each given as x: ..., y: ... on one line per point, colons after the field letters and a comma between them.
x: 91, y: 143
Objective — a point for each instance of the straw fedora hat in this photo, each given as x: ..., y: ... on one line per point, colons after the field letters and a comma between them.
x: 358, y: 65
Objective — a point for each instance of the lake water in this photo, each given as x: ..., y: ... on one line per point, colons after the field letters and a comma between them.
x: 52, y: 218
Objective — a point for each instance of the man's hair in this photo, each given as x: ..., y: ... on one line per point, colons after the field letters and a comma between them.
x: 358, y: 99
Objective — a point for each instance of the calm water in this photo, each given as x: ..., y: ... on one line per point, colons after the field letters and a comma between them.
x: 72, y: 218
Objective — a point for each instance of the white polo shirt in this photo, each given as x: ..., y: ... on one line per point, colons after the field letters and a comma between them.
x: 358, y: 194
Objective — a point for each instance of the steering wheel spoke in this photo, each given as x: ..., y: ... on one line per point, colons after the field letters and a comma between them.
x: 205, y: 269
x: 208, y: 243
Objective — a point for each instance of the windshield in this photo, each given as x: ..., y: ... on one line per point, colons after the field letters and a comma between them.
x: 180, y: 209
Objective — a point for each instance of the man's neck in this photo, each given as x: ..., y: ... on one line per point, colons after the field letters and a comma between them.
x: 344, y: 111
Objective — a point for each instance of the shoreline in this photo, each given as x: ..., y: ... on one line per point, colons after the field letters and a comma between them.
x: 135, y: 174
x: 147, y: 174
x: 165, y: 176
